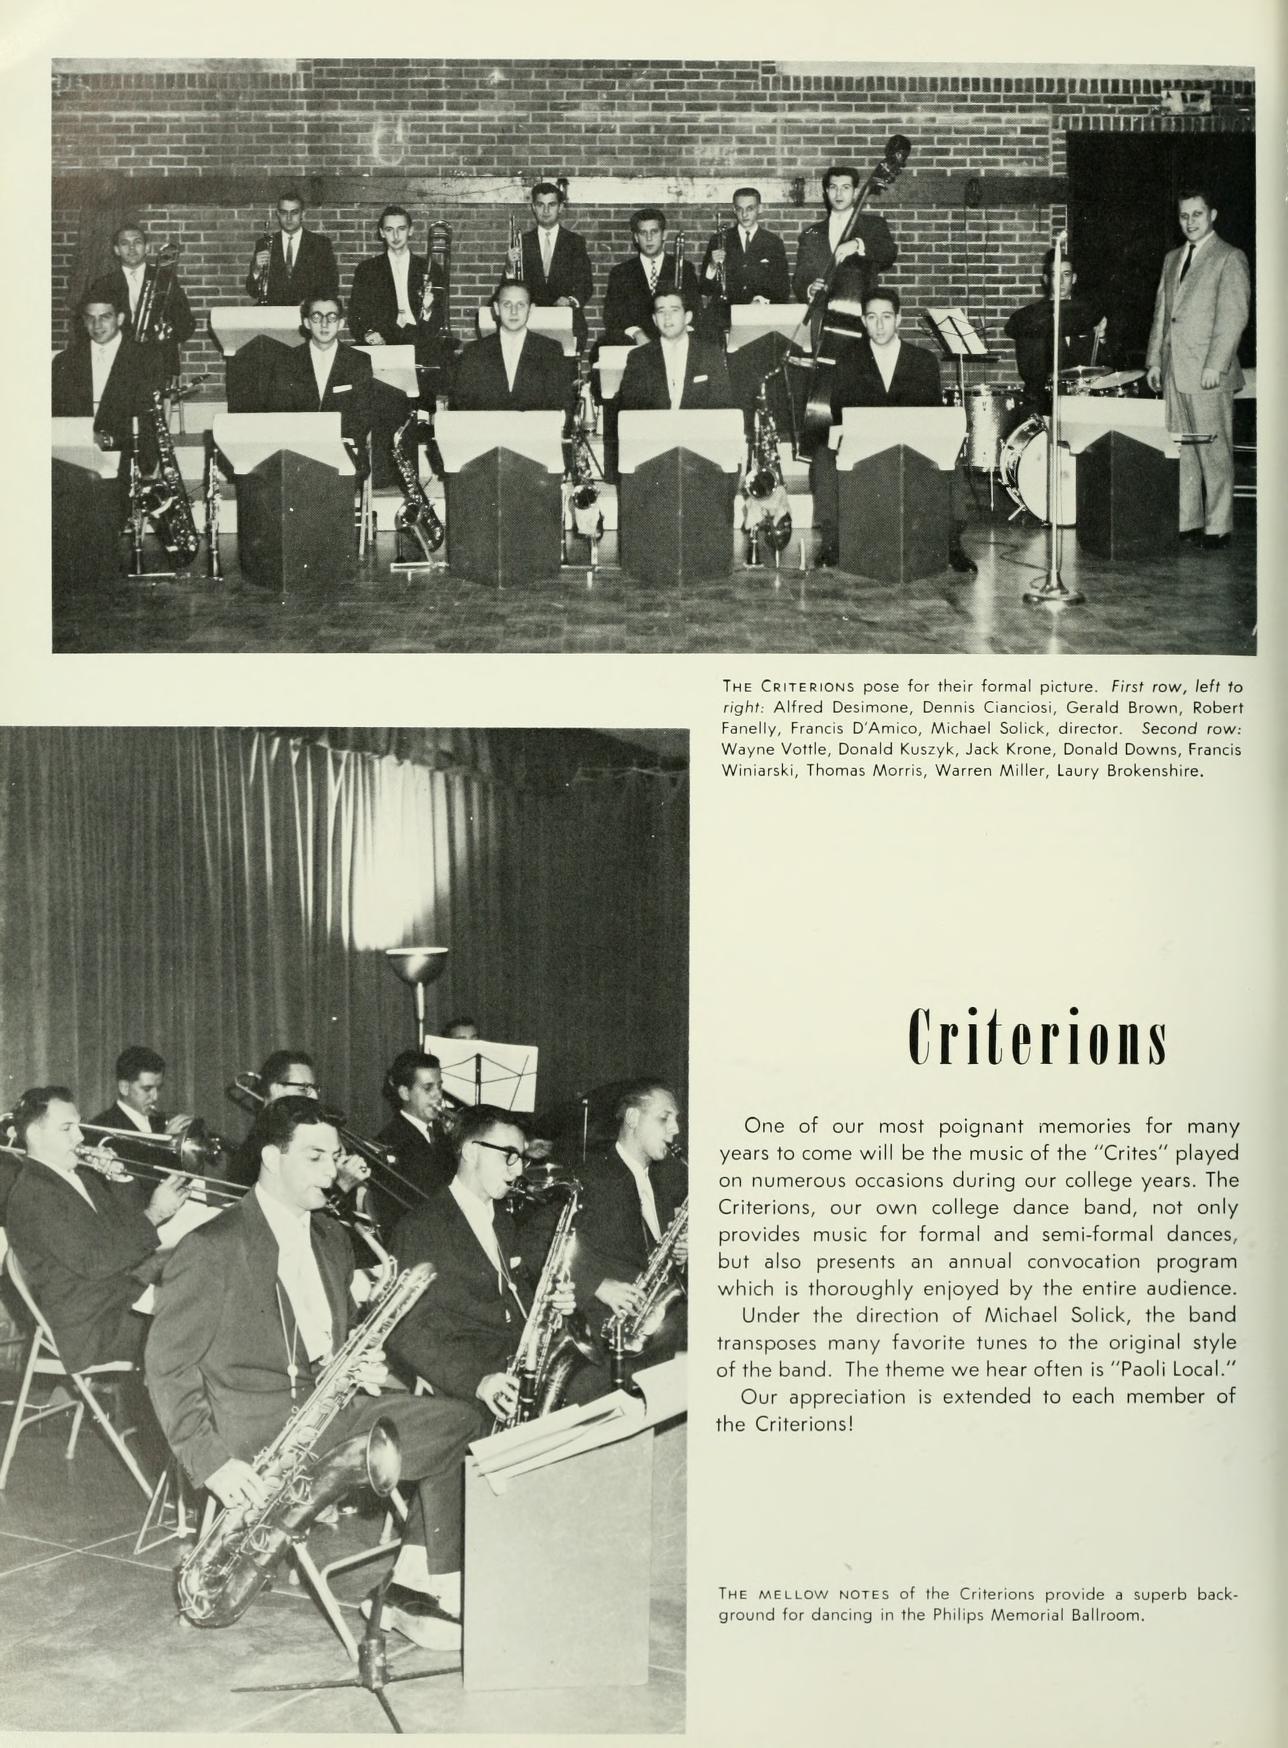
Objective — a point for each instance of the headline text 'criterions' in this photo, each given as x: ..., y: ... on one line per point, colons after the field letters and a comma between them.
x: 1068, y: 1043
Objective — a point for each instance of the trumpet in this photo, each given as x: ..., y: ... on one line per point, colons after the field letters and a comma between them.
x: 722, y: 272
x: 261, y: 277
x: 514, y: 252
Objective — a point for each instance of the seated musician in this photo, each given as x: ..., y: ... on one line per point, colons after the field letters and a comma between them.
x: 867, y: 250
x: 85, y: 1244
x: 512, y: 370
x: 171, y: 322
x: 295, y: 263
x: 140, y: 1075
x: 630, y: 1195
x: 882, y: 371
x: 462, y: 1026
x: 109, y: 377
x: 751, y: 260
x: 327, y: 377
x: 677, y: 369
x: 398, y: 298
x: 1082, y: 325
x: 628, y: 300
x: 249, y: 1309
x: 556, y: 262
x: 288, y: 1074
x: 416, y: 1133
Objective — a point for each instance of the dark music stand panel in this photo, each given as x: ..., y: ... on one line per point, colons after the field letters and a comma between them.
x: 675, y: 519
x: 88, y: 516
x: 1128, y: 498
x: 250, y: 375
x: 295, y: 523
x: 895, y: 516
x: 504, y: 515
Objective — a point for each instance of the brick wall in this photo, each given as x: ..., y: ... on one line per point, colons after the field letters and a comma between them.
x: 458, y: 140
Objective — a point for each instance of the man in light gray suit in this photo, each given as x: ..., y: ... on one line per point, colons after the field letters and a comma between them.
x: 1199, y: 315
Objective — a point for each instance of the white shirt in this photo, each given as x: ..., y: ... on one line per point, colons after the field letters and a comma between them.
x: 132, y: 1116
x: 675, y: 355
x: 134, y: 283
x: 747, y: 235
x: 322, y: 359
x: 400, y: 267
x: 836, y: 226
x: 101, y: 360
x: 417, y: 1124
x: 298, y: 1273
x: 511, y: 350
x: 70, y: 1177
x: 644, y: 1187
x: 885, y: 358
x: 480, y: 1213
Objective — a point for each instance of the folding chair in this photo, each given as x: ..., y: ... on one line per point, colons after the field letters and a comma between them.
x: 43, y: 1361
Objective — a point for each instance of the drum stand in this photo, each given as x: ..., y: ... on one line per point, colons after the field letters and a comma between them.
x: 1053, y: 592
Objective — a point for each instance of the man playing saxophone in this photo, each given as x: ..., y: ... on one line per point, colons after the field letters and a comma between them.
x: 249, y: 1310
x: 106, y: 375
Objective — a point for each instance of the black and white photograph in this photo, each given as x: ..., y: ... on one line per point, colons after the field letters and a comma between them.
x: 344, y: 1203
x: 653, y: 356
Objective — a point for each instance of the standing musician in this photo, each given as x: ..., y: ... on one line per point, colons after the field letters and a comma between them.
x: 512, y: 370
x: 297, y: 262
x: 326, y: 377
x: 1082, y: 325
x: 1200, y: 312
x: 124, y: 286
x: 744, y: 263
x: 108, y: 376
x: 677, y: 369
x: 628, y: 300
x: 85, y: 1245
x: 630, y: 1196
x: 398, y: 298
x: 249, y: 1309
x: 556, y: 262
x: 416, y: 1133
x: 860, y: 260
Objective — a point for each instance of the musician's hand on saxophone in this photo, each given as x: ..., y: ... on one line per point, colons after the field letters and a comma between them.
x: 235, y: 1484
x: 372, y: 1374
x: 372, y: 338
x: 621, y: 1297
x: 499, y: 1392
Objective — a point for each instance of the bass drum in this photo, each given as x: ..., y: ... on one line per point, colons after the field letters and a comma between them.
x: 1024, y: 472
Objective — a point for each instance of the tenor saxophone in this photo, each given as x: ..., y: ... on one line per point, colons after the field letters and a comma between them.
x: 164, y: 500
x: 549, y: 1347
x: 415, y: 515
x: 658, y: 1284
x: 767, y: 509
x: 236, y: 1557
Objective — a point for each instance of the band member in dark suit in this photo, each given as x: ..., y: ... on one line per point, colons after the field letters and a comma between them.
x: 389, y: 304
x: 1082, y: 324
x: 675, y: 370
x: 108, y: 377
x: 85, y: 1245
x: 860, y: 261
x: 630, y: 1196
x: 628, y: 301
x: 1200, y: 312
x: 140, y: 1075
x: 171, y: 323
x: 556, y: 263
x: 250, y: 1308
x: 511, y: 370
x: 326, y: 377
x: 299, y: 262
x: 883, y: 372
x: 416, y: 1134
x: 752, y: 259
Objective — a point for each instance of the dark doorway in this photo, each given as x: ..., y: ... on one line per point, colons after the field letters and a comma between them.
x: 1123, y: 191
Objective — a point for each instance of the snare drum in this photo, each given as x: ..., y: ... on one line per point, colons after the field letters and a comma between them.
x: 993, y: 410
x: 1023, y: 467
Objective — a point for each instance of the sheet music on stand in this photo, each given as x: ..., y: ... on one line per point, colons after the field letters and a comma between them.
x: 478, y: 1072
x: 956, y: 333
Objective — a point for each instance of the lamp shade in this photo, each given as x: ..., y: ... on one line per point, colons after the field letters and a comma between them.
x: 417, y: 965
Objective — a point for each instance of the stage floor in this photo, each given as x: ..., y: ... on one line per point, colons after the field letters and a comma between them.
x: 1185, y: 602
x: 93, y: 1642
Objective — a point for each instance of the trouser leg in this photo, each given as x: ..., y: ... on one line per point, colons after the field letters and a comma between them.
x: 1216, y: 461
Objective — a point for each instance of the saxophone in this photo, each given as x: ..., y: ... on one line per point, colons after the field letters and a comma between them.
x: 659, y: 1284
x: 766, y: 510
x: 548, y: 1348
x: 234, y: 1560
x: 415, y: 515
x: 164, y: 500
x: 581, y: 488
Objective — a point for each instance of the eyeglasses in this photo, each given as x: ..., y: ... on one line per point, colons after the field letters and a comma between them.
x: 323, y: 321
x: 301, y: 1086
x: 513, y: 1155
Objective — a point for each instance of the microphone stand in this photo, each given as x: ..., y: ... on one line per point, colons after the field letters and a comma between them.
x: 1053, y: 592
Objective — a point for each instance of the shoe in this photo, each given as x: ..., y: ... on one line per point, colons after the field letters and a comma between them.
x: 828, y: 557
x: 417, y: 1617
x: 1192, y: 536
x: 960, y: 560
x: 1214, y: 542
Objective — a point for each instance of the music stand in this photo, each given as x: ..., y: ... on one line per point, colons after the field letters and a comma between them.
x: 478, y: 1072
x: 959, y: 338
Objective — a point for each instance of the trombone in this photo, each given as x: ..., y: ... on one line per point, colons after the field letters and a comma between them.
x: 191, y: 1153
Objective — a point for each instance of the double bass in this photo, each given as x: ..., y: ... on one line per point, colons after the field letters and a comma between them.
x: 836, y: 319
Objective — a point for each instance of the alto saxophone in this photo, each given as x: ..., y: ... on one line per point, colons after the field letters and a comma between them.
x: 658, y: 1284
x: 581, y: 488
x: 548, y: 1348
x: 164, y: 500
x: 234, y: 1560
x: 767, y: 510
x: 415, y: 515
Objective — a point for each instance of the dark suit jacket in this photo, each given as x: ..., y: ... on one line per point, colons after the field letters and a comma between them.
x: 541, y: 381
x: 613, y: 1243
x: 1030, y: 328
x: 570, y: 270
x: 348, y: 389
x: 466, y: 1325
x: 431, y: 1164
x: 315, y: 270
x: 1199, y: 320
x: 217, y: 1354
x: 859, y: 273
x: 183, y: 324
x: 373, y: 302
x: 858, y: 382
x: 760, y: 271
x: 77, y: 1259
x: 127, y: 394
x: 706, y: 378
x: 628, y: 302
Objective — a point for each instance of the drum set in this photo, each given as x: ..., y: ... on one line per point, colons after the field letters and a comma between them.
x: 1008, y: 441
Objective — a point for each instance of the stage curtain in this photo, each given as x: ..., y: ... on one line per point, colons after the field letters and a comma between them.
x: 215, y: 893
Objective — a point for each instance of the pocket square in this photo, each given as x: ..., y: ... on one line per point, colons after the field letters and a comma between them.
x: 341, y: 388
x: 702, y: 379
x: 515, y: 1261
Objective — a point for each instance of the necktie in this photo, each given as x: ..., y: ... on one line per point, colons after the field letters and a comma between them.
x: 1185, y: 265
x: 290, y: 255
x: 654, y: 268
x: 547, y: 249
